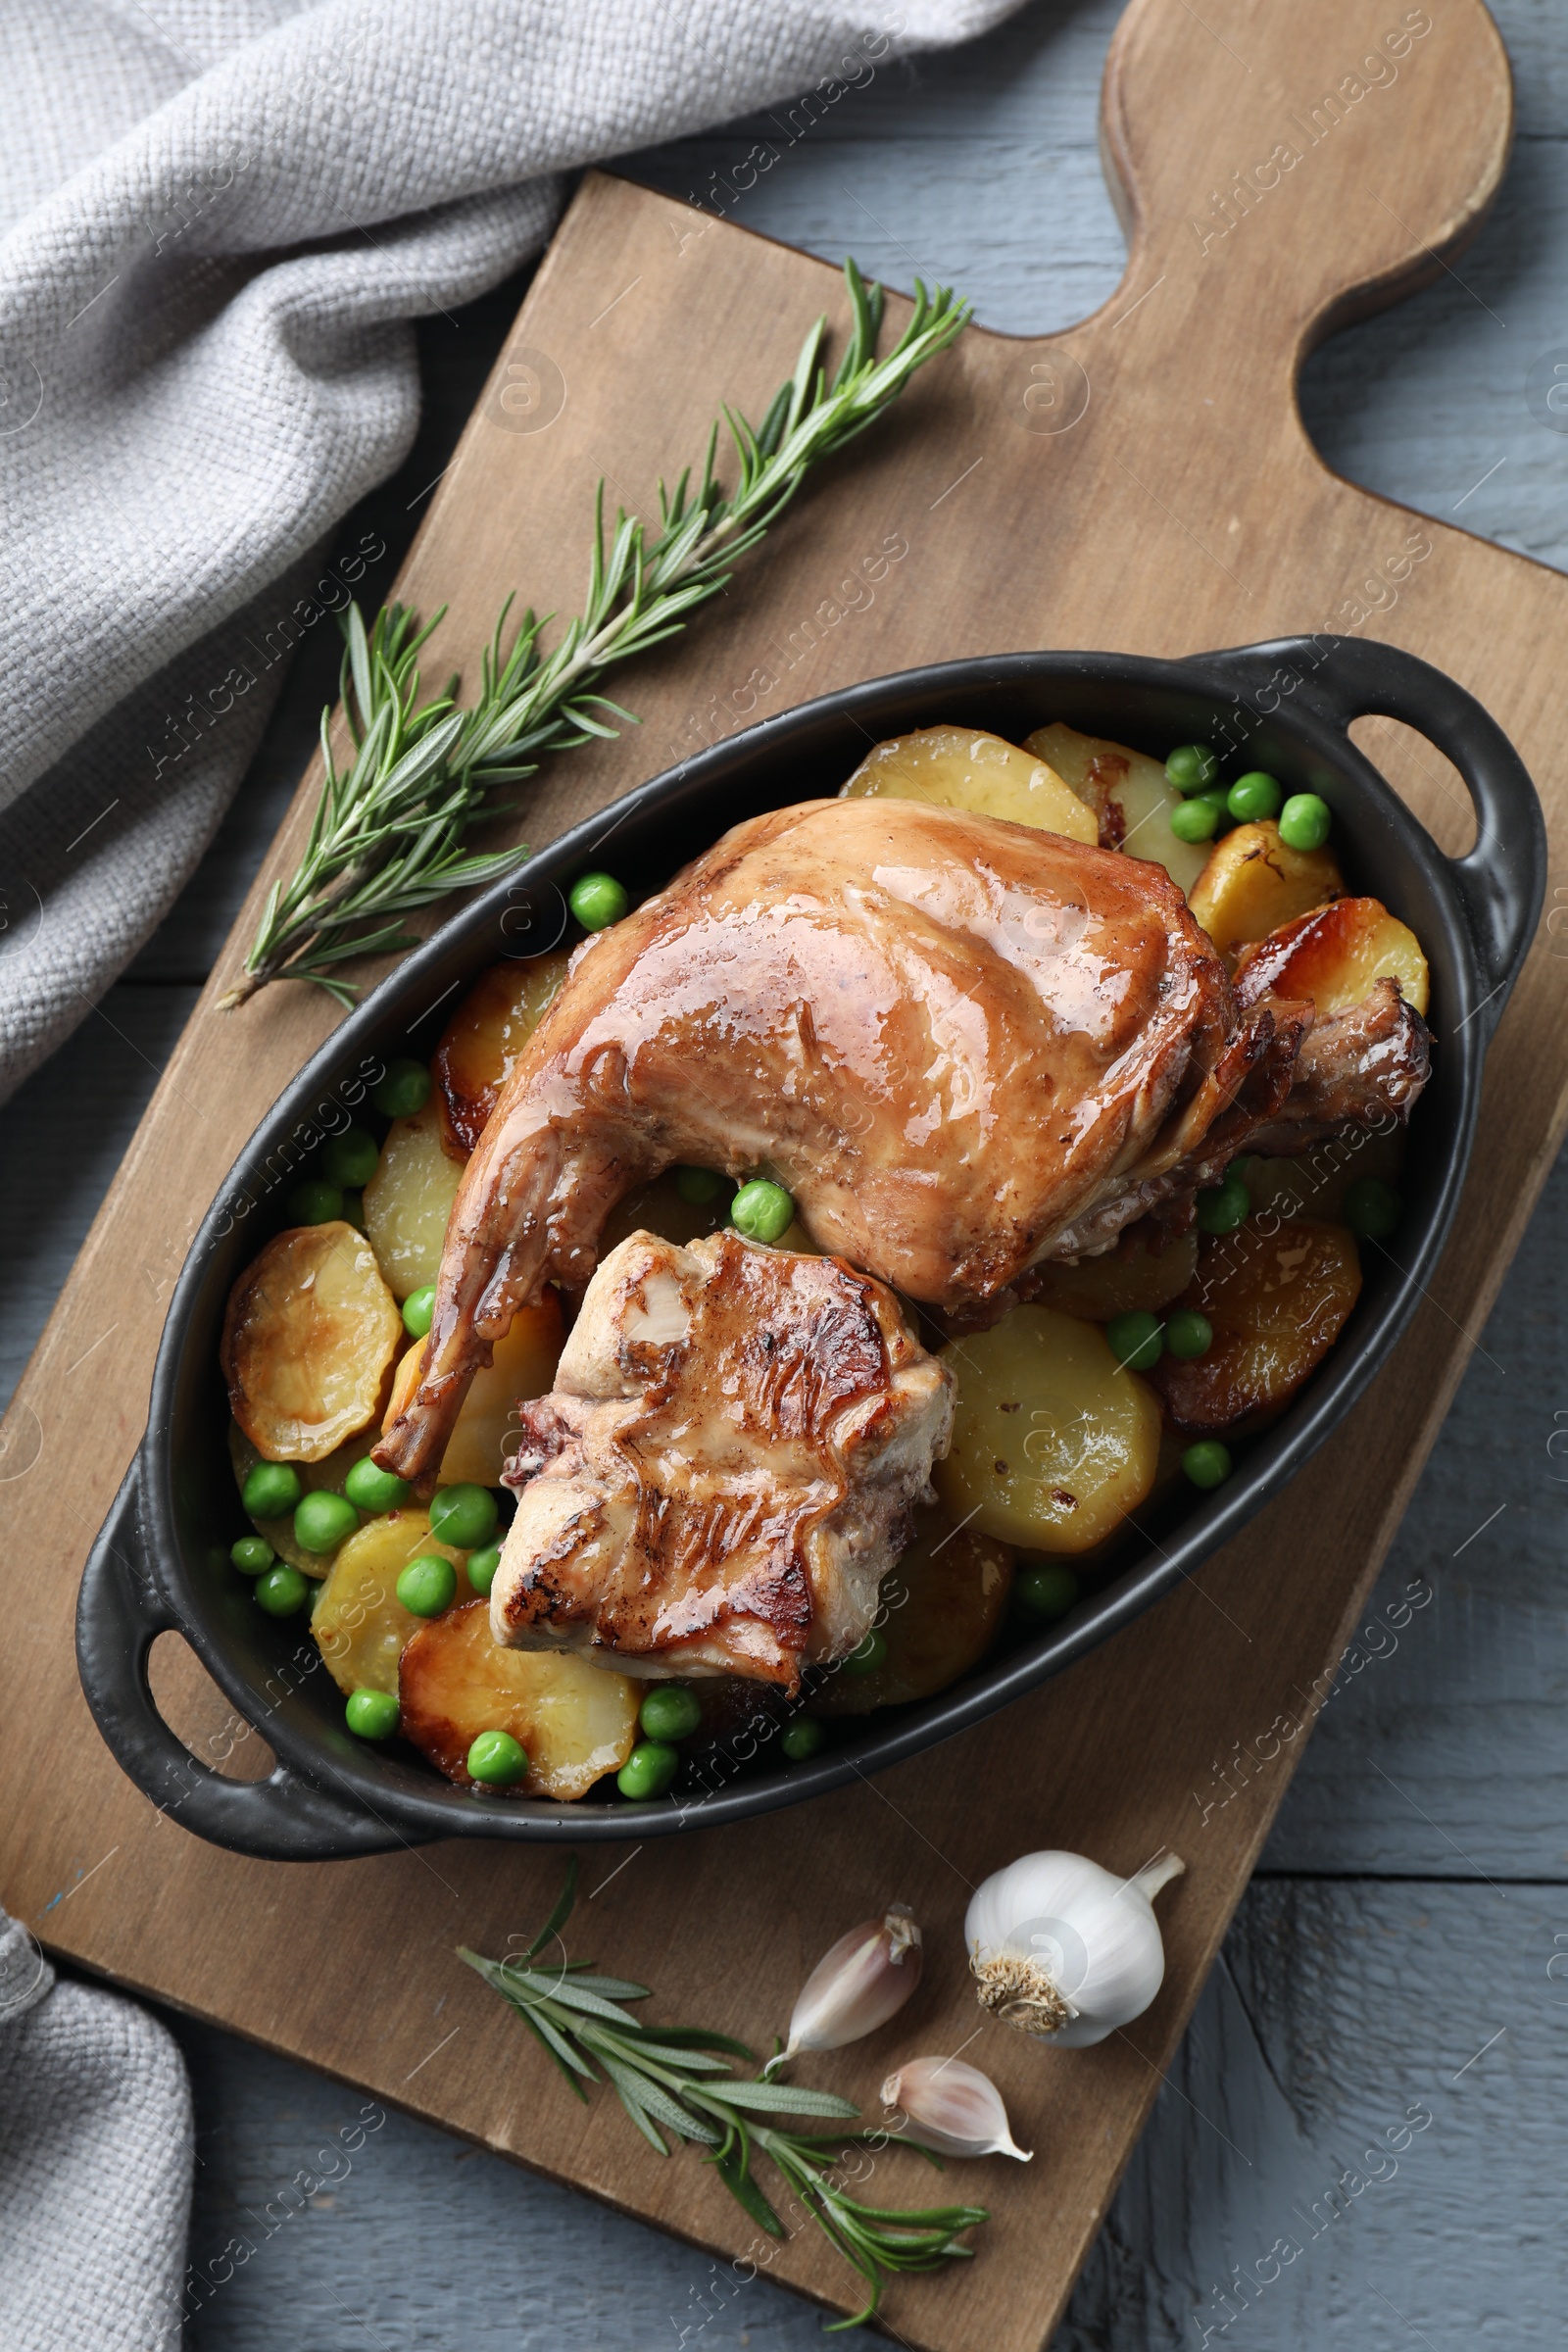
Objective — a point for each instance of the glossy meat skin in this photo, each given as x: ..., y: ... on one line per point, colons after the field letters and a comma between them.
x: 725, y: 1468
x: 1363, y: 1068
x: 961, y: 1044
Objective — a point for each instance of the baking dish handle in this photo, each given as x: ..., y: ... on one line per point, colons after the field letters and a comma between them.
x: 1501, y: 881
x: 120, y: 1613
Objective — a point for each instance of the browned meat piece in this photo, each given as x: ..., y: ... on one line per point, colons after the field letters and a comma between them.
x: 1251, y: 1083
x: 1359, y: 1068
x: 725, y: 1468
x: 964, y: 1045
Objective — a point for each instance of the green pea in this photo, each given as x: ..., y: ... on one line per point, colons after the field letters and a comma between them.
x: 698, y: 1185
x: 804, y: 1739
x: 252, y: 1555
x: 271, y: 1489
x: 418, y: 1311
x: 1304, y: 822
x: 1254, y: 796
x: 1221, y: 1207
x: 350, y: 1157
x: 370, y: 1488
x: 1372, y: 1209
x: 1190, y: 767
x: 1208, y: 1463
x: 427, y: 1585
x: 649, y: 1770
x: 315, y: 1202
x: 867, y: 1655
x: 482, y: 1566
x: 402, y: 1088
x: 670, y: 1712
x: 763, y: 1211
x: 322, y: 1520
x: 282, y: 1590
x: 1196, y: 819
x: 354, y: 1210
x: 1137, y: 1339
x: 1045, y: 1590
x: 497, y: 1761
x: 372, y: 1714
x: 1187, y: 1334
x: 464, y: 1516
x: 598, y: 900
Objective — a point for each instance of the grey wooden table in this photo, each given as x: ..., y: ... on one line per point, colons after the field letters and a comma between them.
x: 1402, y: 1961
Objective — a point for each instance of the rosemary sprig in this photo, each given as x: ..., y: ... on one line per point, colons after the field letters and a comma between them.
x: 390, y: 826
x: 678, y: 2079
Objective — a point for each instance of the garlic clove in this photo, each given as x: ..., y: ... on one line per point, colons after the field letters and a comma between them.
x: 863, y: 1980
x: 1064, y: 1950
x: 952, y: 2108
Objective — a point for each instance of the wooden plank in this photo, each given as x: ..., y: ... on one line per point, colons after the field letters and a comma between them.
x: 1105, y: 1758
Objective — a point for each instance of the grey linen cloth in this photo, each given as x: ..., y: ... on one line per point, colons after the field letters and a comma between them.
x: 95, y: 2164
x: 216, y: 219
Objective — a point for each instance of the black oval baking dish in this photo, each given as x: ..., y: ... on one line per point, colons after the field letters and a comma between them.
x: 1284, y: 707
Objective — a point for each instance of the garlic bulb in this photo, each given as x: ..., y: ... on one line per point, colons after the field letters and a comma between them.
x: 1066, y: 1950
x: 857, y: 1986
x: 953, y: 2108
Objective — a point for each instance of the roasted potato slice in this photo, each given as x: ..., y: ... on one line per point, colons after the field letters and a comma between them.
x: 483, y: 1039
x: 576, y: 1722
x: 361, y: 1626
x: 940, y: 1604
x: 408, y: 1200
x: 309, y: 1336
x: 1136, y: 1274
x: 523, y: 1365
x: 1334, y: 955
x: 325, y: 1476
x: 1130, y: 794
x: 1251, y: 883
x: 1054, y: 1443
x: 1278, y: 1303
x: 961, y: 767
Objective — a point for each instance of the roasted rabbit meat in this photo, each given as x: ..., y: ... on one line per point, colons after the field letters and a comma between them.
x: 726, y: 1465
x: 965, y: 1045
x: 955, y: 1039
x: 1362, y: 1067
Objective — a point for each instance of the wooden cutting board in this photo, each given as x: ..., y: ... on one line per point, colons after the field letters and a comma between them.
x: 1143, y: 483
